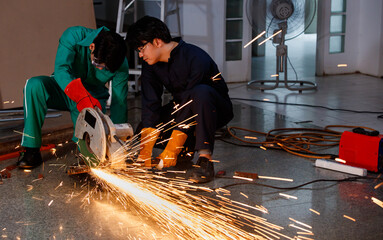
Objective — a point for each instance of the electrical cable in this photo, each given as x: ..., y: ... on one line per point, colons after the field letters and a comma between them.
x: 296, y: 141
x: 308, y: 105
x: 296, y: 74
x: 349, y: 179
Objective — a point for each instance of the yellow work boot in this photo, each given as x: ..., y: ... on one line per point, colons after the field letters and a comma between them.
x: 168, y: 157
x: 148, y: 139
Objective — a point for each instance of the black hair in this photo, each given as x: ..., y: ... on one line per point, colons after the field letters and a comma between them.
x: 145, y: 30
x: 110, y: 48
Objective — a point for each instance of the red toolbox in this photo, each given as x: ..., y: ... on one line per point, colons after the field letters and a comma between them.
x: 362, y: 151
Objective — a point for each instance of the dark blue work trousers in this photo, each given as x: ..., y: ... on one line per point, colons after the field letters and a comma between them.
x: 212, y: 110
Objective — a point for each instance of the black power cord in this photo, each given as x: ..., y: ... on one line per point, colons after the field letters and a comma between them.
x: 349, y: 179
x: 309, y: 105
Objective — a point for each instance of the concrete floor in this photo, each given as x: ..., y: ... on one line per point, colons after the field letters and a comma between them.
x: 48, y: 204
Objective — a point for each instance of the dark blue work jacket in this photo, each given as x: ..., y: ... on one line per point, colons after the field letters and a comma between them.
x: 187, y: 67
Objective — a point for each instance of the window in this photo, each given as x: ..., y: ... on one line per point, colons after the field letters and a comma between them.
x: 337, y: 26
x: 234, y: 28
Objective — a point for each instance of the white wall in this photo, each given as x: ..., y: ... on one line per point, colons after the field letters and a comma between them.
x: 370, y: 46
x: 363, y: 41
x: 240, y: 70
x: 203, y: 24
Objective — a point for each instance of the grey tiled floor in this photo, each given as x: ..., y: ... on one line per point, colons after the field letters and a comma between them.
x: 56, y: 206
x: 355, y: 92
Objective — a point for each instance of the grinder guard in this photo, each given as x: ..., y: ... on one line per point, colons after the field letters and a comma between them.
x: 99, y: 138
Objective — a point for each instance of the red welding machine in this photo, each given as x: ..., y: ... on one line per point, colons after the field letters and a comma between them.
x: 362, y: 150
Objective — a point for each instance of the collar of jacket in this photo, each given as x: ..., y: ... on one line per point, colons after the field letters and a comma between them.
x: 91, y: 36
x: 176, y: 49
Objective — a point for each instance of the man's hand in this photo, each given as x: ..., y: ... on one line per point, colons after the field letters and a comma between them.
x: 168, y: 158
x: 77, y: 92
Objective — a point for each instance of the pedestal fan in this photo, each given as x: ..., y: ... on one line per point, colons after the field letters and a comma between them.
x: 287, y: 17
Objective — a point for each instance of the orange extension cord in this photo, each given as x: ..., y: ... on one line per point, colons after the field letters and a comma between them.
x: 298, y: 141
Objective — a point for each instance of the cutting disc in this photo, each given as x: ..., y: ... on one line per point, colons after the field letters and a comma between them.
x: 89, y: 157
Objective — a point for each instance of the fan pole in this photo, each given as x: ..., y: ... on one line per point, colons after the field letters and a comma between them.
x: 281, y: 67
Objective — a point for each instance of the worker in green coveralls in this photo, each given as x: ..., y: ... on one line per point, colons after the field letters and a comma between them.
x: 86, y: 60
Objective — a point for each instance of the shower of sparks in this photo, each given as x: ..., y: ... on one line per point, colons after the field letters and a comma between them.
x: 53, y: 151
x: 288, y: 196
x: 297, y: 227
x: 60, y: 185
x: 177, y: 109
x: 176, y: 125
x: 265, y: 99
x: 188, y: 216
x: 377, y: 202
x: 178, y: 206
x: 301, y: 223
x: 269, y: 37
x: 23, y: 134
x: 168, y: 139
x: 377, y: 186
x: 215, y: 77
x: 274, y: 75
x: 316, y: 212
x: 50, y: 203
x: 276, y: 178
x: 254, y: 39
x: 243, y: 178
x: 262, y: 147
x: 250, y: 137
x: 342, y: 65
x: 304, y: 238
x: 171, y: 171
x: 350, y: 218
x: 244, y: 195
x: 305, y: 233
x: 340, y: 160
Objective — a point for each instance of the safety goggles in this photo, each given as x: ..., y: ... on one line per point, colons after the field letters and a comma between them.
x: 142, y: 48
x: 98, y: 65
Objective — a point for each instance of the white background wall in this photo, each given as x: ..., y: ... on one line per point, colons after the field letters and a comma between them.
x: 363, y: 41
x: 203, y: 24
x: 370, y: 37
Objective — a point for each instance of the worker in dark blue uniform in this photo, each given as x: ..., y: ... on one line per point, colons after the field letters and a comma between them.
x: 86, y: 60
x: 200, y: 96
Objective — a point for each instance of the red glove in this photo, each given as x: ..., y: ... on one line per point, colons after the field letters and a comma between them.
x: 77, y: 92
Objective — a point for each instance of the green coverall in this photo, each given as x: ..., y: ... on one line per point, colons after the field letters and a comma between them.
x: 72, y: 61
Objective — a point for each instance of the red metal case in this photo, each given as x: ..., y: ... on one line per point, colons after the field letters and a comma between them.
x: 362, y: 151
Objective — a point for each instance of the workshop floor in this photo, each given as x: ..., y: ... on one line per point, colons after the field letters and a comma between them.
x: 46, y: 203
